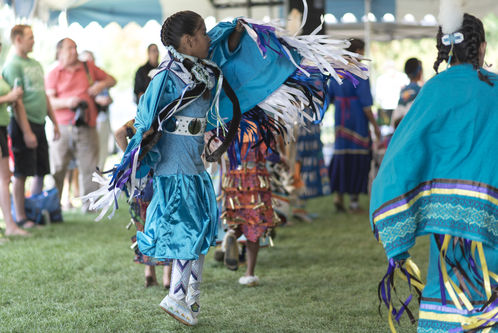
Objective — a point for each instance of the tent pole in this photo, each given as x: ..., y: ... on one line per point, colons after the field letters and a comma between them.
x: 368, y: 27
x: 249, y: 9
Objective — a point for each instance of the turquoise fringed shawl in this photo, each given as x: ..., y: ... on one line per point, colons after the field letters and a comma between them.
x: 252, y: 77
x: 440, y: 171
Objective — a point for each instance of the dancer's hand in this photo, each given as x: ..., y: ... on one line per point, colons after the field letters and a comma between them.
x: 235, y: 36
x: 147, y: 133
x: 239, y: 27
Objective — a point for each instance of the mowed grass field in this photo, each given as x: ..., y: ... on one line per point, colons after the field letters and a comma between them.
x: 78, y: 276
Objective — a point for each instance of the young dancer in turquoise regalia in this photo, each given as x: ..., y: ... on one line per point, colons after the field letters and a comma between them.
x: 439, y: 178
x: 273, y: 81
x: 181, y: 219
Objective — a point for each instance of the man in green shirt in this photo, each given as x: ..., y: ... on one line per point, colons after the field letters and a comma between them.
x: 28, y: 161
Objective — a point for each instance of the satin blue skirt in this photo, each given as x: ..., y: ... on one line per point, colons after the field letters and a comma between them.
x: 181, y: 221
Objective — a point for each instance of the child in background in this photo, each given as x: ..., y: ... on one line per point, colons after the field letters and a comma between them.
x: 248, y: 207
x: 413, y: 69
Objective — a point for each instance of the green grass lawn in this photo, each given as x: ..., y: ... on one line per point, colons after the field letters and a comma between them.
x: 78, y: 276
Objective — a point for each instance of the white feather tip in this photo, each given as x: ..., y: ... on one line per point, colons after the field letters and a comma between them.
x: 450, y: 15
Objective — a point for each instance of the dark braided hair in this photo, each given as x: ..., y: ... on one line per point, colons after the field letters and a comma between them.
x: 466, y: 51
x: 178, y: 24
x: 174, y: 27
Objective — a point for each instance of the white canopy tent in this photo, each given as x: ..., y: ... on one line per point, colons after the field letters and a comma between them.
x: 405, y: 11
x: 402, y: 19
x: 396, y: 19
x: 420, y: 8
x: 133, y: 10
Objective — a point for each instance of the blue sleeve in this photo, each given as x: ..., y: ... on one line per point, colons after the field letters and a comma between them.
x: 160, y: 91
x: 363, y: 92
x: 219, y: 35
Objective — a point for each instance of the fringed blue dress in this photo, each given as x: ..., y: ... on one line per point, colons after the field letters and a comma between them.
x: 181, y: 220
x: 182, y: 216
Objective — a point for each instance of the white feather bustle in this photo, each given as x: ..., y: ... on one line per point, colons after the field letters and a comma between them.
x: 450, y: 15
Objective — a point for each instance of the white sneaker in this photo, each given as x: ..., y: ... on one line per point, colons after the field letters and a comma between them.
x: 249, y: 281
x: 178, y: 310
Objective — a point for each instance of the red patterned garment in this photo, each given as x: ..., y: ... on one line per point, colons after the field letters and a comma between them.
x: 247, y: 201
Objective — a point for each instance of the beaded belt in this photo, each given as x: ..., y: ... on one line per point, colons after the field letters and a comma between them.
x: 183, y: 125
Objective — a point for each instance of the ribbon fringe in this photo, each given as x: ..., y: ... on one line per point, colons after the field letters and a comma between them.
x: 320, y: 51
x: 408, y: 271
x: 477, y: 318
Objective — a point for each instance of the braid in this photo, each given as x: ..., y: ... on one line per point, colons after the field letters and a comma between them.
x: 466, y: 51
x: 166, y: 37
x: 469, y: 50
x: 443, y: 50
x: 484, y: 78
x: 164, y: 30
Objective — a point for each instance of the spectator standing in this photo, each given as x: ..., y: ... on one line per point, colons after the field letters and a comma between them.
x: 103, y: 101
x: 413, y: 69
x: 352, y: 149
x: 72, y: 87
x: 8, y: 95
x: 29, y: 142
x: 142, y: 77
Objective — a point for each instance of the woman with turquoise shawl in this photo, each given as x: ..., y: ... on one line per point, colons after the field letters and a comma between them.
x: 439, y: 178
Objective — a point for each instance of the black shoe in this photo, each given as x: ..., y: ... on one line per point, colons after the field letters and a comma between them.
x: 339, y: 207
x: 231, y: 251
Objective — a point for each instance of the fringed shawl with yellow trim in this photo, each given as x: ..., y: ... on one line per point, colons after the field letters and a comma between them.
x: 440, y: 171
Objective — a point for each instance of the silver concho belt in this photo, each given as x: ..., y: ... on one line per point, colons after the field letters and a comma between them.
x: 183, y: 125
